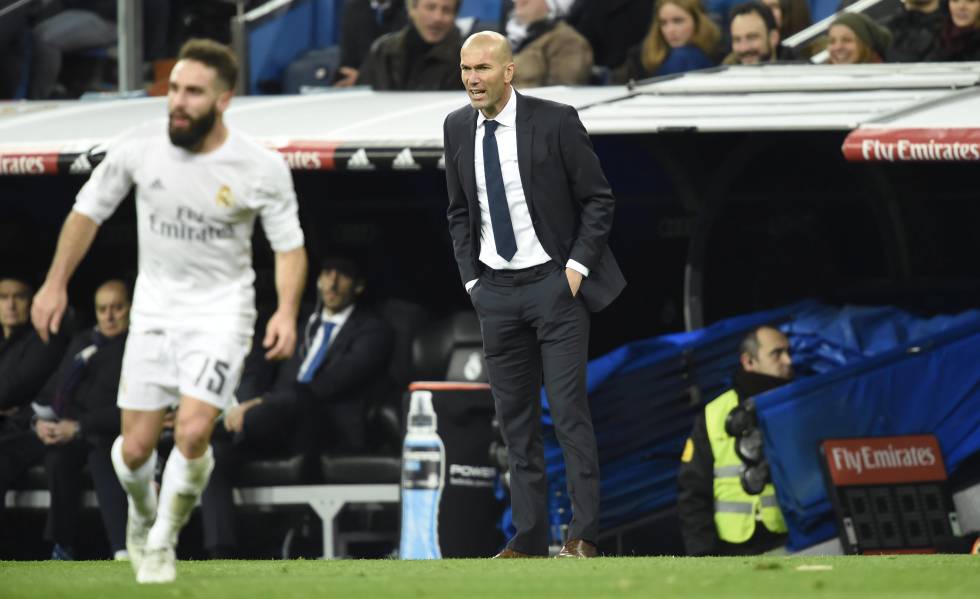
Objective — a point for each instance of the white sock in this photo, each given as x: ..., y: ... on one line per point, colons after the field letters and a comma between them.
x: 183, y: 482
x: 136, y: 483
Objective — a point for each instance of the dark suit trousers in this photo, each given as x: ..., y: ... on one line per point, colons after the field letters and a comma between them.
x: 270, y: 432
x: 63, y: 465
x: 534, y: 329
x: 19, y: 450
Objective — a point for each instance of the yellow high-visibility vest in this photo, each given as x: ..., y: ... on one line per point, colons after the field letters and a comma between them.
x: 736, y: 512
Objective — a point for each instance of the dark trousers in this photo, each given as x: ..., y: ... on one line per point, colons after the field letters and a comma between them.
x: 269, y: 432
x: 63, y: 465
x: 534, y: 329
x: 19, y: 450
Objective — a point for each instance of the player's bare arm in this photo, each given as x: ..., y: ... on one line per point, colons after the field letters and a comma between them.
x: 280, y: 333
x: 51, y: 300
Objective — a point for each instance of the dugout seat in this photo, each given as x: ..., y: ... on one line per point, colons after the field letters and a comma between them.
x: 451, y: 350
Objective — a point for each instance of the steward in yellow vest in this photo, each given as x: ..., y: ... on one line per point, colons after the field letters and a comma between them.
x: 717, y: 516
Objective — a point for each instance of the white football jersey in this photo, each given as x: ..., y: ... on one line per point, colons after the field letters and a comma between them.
x: 195, y: 214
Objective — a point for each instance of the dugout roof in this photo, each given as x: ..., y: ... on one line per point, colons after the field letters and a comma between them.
x: 944, y: 130
x: 360, y: 129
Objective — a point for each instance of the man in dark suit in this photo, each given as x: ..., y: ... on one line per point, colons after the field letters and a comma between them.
x: 82, y: 397
x: 530, y: 213
x: 318, y: 402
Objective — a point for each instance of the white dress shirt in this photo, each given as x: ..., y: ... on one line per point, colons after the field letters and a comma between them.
x: 530, y: 252
x: 338, y: 321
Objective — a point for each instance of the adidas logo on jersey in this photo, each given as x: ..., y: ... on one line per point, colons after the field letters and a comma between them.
x: 80, y: 165
x: 405, y: 161
x: 157, y: 184
x: 359, y: 161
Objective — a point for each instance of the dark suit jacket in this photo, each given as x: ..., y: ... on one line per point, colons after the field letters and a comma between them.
x: 26, y: 362
x: 336, y: 400
x: 93, y: 400
x: 569, y: 199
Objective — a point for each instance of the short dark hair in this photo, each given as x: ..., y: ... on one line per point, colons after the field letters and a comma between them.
x: 344, y: 264
x: 215, y: 55
x: 754, y: 6
x: 414, y: 3
x: 21, y: 277
x: 750, y: 343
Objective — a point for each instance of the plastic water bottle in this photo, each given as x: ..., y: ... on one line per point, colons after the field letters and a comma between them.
x: 423, y: 476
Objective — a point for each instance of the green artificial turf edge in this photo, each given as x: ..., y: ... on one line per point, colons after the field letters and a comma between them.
x: 790, y: 577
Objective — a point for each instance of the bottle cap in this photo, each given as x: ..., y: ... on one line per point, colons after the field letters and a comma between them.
x: 421, y: 416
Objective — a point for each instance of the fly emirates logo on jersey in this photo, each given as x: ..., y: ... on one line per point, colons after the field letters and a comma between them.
x: 884, y: 460
x: 190, y: 225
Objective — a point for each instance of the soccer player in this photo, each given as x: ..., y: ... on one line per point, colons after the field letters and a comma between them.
x: 200, y: 186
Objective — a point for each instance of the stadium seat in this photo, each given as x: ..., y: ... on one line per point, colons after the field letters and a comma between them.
x: 316, y: 68
x: 451, y: 350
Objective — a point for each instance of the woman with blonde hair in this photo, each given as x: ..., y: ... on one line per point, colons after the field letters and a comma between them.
x: 681, y: 38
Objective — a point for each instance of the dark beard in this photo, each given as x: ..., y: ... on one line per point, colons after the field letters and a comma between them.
x: 192, y: 137
x: 763, y: 58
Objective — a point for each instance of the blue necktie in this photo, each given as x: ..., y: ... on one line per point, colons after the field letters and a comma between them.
x: 306, y: 374
x: 503, y: 229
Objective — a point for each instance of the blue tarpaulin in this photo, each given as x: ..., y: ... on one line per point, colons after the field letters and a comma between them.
x: 864, y: 371
x: 900, y: 375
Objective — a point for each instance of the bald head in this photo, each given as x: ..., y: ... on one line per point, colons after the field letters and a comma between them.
x: 112, y: 308
x: 487, y: 68
x: 497, y: 44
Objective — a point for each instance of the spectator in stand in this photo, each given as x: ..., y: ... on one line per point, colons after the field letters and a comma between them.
x: 319, y: 400
x: 915, y: 31
x: 854, y: 38
x: 611, y: 26
x: 13, y: 46
x: 423, y: 55
x: 66, y: 26
x: 792, y: 16
x: 364, y: 21
x: 960, y: 37
x: 551, y: 53
x: 516, y: 30
x: 82, y: 421
x: 755, y: 35
x: 681, y: 38
x: 81, y: 25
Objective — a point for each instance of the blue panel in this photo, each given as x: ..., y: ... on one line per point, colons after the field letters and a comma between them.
x: 857, y: 378
x: 482, y: 10
x: 934, y: 388
x: 275, y: 43
x: 821, y: 9
x: 328, y: 15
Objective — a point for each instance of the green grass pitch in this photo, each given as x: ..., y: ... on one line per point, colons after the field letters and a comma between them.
x: 784, y: 577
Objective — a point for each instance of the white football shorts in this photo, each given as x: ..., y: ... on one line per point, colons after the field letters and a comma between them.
x: 159, y: 366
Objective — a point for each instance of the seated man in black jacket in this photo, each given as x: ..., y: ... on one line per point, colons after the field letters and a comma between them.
x: 26, y: 363
x: 916, y: 29
x: 318, y: 402
x: 78, y: 420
